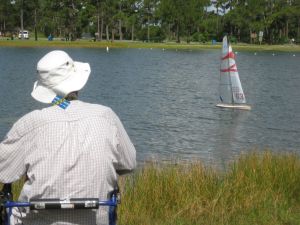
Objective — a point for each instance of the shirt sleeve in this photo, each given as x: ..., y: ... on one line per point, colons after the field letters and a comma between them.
x: 126, y: 153
x: 12, y: 156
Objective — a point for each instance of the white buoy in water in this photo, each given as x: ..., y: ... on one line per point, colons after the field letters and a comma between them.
x: 107, y: 49
x: 255, y: 53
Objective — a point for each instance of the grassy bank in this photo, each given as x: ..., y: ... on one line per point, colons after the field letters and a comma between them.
x: 259, y: 189
x: 138, y: 44
x: 256, y: 189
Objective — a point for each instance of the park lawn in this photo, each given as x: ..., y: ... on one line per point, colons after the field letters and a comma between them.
x: 138, y: 44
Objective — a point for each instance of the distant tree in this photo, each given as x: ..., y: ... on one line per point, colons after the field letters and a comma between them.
x: 9, y: 16
x: 211, y: 27
x: 171, y: 12
x: 148, y: 14
x: 132, y: 16
x: 67, y: 16
x: 184, y: 17
x: 154, y: 19
x: 296, y: 20
x: 193, y: 16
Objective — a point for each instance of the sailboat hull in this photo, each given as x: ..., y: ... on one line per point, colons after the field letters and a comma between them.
x: 234, y: 106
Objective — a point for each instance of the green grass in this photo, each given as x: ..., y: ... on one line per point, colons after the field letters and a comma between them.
x: 257, y: 188
x: 137, y: 44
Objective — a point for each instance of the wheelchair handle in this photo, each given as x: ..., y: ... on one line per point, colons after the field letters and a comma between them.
x: 62, y: 204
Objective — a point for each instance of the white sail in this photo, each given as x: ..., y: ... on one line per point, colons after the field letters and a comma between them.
x: 231, y: 91
x: 225, y: 83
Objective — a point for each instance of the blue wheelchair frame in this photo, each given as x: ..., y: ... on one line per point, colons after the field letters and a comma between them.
x: 69, y: 204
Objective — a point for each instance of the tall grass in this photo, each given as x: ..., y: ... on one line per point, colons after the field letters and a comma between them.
x: 255, y: 189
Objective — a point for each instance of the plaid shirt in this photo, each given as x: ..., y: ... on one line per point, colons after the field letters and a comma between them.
x: 67, y: 153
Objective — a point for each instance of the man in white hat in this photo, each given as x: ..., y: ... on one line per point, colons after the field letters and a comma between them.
x: 71, y: 149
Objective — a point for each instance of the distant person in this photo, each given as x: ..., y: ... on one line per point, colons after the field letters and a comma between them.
x: 71, y: 149
x: 50, y: 37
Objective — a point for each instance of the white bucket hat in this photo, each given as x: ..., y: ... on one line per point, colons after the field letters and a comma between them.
x: 58, y: 74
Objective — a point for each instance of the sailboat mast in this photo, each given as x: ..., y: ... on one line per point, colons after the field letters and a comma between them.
x: 220, y: 79
x: 229, y: 72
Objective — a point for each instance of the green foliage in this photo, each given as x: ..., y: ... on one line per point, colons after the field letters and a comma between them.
x: 156, y: 34
x: 279, y: 20
x: 283, y: 40
x: 233, y: 39
x: 200, y: 37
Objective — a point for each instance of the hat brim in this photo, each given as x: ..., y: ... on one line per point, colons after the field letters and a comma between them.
x: 74, y: 82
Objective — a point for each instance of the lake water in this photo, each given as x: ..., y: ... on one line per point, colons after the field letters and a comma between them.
x: 166, y: 99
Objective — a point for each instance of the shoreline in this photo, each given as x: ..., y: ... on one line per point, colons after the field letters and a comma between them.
x: 139, y: 44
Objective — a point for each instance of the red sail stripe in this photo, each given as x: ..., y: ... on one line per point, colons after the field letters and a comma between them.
x: 230, y: 69
x: 229, y: 55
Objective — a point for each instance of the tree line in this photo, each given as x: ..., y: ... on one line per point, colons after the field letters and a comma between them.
x: 250, y: 21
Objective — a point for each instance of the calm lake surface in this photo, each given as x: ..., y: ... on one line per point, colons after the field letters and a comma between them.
x: 166, y: 99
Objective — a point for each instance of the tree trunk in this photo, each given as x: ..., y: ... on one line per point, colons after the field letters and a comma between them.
x: 21, y: 18
x: 107, y: 33
x: 188, y: 36
x: 112, y: 34
x: 98, y: 26
x: 280, y: 33
x: 298, y: 29
x: 148, y: 29
x: 35, y: 30
x: 120, y: 30
x: 177, y: 33
x: 287, y: 29
x: 217, y: 19
x: 132, y: 32
x: 169, y: 32
x: 102, y: 26
x: 120, y: 25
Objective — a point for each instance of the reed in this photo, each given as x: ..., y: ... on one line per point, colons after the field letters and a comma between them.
x: 255, y: 189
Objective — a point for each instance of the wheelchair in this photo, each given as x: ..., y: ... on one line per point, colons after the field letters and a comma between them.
x: 7, y: 204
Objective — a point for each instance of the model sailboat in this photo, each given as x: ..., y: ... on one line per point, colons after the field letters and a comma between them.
x: 231, y: 91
